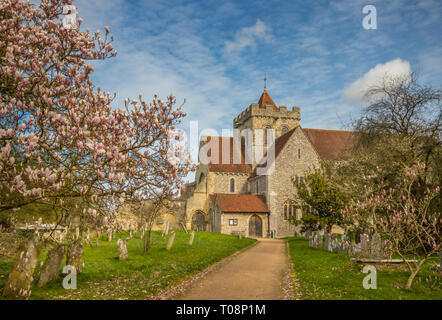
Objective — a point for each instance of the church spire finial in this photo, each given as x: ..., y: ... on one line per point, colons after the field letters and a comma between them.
x: 265, y: 81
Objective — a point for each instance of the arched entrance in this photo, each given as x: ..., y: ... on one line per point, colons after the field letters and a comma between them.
x: 255, y: 226
x: 198, y: 221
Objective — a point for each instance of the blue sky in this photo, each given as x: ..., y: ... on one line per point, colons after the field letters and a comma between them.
x: 214, y: 54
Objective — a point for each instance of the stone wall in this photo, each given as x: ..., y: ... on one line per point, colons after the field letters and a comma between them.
x: 243, y: 223
x: 281, y: 187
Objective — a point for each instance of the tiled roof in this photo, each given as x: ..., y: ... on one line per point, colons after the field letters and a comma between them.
x: 330, y: 144
x: 241, y: 202
x: 265, y: 100
x: 230, y: 166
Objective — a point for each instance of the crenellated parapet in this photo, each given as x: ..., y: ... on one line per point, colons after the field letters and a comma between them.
x: 269, y: 111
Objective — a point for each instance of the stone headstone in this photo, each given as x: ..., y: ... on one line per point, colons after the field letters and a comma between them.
x: 122, y: 249
x: 308, y: 234
x: 166, y: 228
x: 355, y: 249
x: 327, y: 242
x: 52, y: 265
x: 109, y: 235
x: 375, y: 246
x: 334, y: 245
x: 365, y: 245
x: 192, y: 236
x: 77, y: 233
x: 170, y: 242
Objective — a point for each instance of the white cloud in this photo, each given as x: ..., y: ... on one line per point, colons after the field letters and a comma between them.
x: 249, y: 36
x: 355, y: 91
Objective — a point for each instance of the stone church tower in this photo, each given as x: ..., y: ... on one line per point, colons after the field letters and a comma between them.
x: 266, y: 115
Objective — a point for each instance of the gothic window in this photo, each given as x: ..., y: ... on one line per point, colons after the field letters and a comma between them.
x: 257, y: 186
x: 232, y: 185
x: 301, y: 179
x: 289, y: 210
x: 284, y: 129
x: 299, y: 153
x: 296, y: 179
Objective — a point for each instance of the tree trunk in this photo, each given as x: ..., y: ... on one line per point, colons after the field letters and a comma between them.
x: 20, y: 277
x: 413, y: 274
x: 147, y: 241
x: 52, y: 265
x: 73, y: 256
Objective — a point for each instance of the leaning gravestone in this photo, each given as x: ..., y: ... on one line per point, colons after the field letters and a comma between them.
x: 192, y: 236
x: 52, y: 265
x: 166, y: 228
x: 109, y: 235
x: 170, y: 242
x: 122, y: 249
x: 19, y: 281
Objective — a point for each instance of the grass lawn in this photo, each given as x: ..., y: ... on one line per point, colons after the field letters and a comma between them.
x: 140, y: 276
x: 326, y: 275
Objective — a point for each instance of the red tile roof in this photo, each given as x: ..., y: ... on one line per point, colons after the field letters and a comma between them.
x: 230, y: 166
x: 265, y: 100
x: 330, y: 144
x: 241, y: 202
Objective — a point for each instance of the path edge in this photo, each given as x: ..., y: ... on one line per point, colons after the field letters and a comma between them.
x: 180, y: 288
x: 290, y: 284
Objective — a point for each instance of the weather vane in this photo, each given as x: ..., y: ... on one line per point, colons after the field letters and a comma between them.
x: 265, y: 80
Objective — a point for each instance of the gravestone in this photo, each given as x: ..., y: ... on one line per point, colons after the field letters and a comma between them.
x: 355, y: 249
x: 77, y: 233
x: 310, y: 240
x: 166, y: 228
x: 375, y: 246
x: 96, y: 242
x: 365, y: 245
x: 109, y: 235
x: 170, y: 242
x: 122, y: 249
x: 327, y: 242
x: 52, y: 265
x: 318, y: 240
x: 334, y: 246
x: 192, y: 236
x: 308, y: 234
x: 386, y: 250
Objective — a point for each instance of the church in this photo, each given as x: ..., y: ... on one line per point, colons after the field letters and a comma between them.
x: 230, y: 197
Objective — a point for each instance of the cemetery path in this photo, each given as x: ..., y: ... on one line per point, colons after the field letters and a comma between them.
x: 255, y: 274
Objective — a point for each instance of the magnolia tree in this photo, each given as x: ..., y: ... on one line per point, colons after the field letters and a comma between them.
x: 401, y: 215
x: 61, y: 142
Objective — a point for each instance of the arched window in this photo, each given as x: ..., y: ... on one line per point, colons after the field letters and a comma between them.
x: 289, y: 209
x: 266, y: 134
x: 284, y: 130
x: 232, y: 185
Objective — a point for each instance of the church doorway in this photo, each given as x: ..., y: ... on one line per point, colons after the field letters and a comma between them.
x: 255, y: 226
x: 198, y: 221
